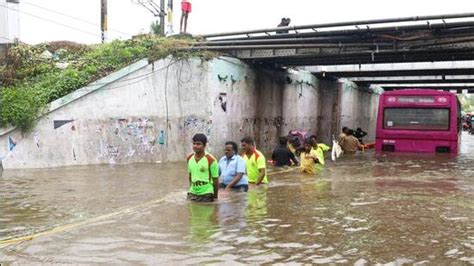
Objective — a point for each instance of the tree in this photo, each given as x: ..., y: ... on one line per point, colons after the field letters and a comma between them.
x: 467, y: 102
x: 155, y: 28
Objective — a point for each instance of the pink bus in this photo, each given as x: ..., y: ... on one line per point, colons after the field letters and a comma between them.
x: 422, y: 120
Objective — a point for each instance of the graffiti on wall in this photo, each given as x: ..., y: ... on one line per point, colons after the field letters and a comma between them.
x: 11, y: 143
x: 60, y: 123
x: 197, y: 125
x: 36, y: 139
x: 161, y: 138
x: 129, y: 137
x: 223, y: 100
x: 191, y: 125
x: 191, y: 122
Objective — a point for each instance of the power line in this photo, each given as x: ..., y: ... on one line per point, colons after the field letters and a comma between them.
x: 76, y: 18
x: 51, y: 21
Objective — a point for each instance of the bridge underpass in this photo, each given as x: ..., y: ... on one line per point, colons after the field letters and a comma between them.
x: 118, y: 212
x: 455, y: 76
x: 443, y: 43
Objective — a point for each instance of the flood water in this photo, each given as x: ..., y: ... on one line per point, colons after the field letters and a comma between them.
x: 363, y: 209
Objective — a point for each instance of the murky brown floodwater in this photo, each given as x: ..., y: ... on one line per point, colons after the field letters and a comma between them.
x: 399, y: 209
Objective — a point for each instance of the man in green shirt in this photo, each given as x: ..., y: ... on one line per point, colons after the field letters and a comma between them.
x: 203, y: 172
x: 254, y: 161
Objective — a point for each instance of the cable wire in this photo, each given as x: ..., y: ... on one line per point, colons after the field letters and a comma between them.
x: 52, y: 21
x: 76, y: 18
x: 3, y: 38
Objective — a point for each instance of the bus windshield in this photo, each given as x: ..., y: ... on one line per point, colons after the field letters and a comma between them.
x: 416, y: 118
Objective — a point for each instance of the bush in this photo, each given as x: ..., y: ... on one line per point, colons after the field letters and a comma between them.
x: 32, y: 79
x: 19, y: 107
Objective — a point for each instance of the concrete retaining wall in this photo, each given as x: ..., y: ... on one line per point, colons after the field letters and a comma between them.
x: 149, y: 112
x: 358, y: 109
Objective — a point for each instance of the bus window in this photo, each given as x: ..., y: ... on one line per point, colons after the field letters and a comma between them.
x: 416, y: 118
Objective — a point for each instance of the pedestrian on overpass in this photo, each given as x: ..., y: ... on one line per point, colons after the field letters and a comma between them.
x: 285, y: 22
x: 185, y: 10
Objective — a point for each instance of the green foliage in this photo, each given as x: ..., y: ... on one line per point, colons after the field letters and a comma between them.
x: 20, y: 106
x: 34, y: 76
x: 467, y: 102
x: 155, y: 28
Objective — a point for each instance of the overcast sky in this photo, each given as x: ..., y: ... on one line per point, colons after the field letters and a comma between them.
x: 209, y: 16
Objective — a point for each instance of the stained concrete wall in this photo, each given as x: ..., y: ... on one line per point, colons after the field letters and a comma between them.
x: 261, y: 103
x: 329, y: 112
x: 149, y: 113
x: 358, y: 109
x: 301, y: 102
x: 146, y: 116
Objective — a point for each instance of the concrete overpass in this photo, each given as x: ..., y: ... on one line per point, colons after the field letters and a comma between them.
x: 455, y: 76
x: 428, y: 51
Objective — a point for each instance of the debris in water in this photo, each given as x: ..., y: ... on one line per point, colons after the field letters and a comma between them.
x: 451, y: 252
x: 363, y: 203
x: 352, y: 219
x: 356, y: 229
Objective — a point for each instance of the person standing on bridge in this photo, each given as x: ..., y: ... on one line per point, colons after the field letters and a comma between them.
x: 203, y: 172
x: 285, y: 22
x: 185, y: 10
x: 254, y: 161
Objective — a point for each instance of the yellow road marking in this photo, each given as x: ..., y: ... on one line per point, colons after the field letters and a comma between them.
x: 62, y: 228
x: 78, y: 224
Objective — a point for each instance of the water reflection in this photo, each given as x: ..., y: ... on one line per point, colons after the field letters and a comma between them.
x: 256, y: 204
x: 203, y: 221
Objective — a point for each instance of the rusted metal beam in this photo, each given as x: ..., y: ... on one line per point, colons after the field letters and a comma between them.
x: 345, y: 43
x: 412, y: 81
x: 439, y: 35
x: 369, y: 57
x: 362, y: 31
x: 322, y: 54
x: 398, y: 73
x: 428, y: 87
x: 342, y: 24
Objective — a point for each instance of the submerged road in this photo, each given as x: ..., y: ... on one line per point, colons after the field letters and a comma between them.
x: 364, y: 208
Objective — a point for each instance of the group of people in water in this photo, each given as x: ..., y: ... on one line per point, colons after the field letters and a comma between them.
x: 232, y: 172
x: 235, y: 172
x: 351, y: 140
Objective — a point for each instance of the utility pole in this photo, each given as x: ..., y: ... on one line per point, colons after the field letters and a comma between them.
x: 162, y: 18
x: 103, y: 19
x: 170, y: 17
x: 156, y: 10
